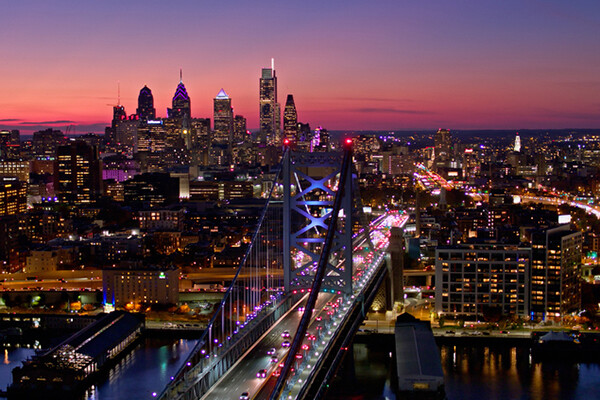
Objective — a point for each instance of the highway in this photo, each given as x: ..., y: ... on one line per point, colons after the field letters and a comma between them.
x: 91, y: 279
x: 242, y: 376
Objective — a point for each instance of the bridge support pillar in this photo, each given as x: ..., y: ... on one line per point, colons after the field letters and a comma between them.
x: 396, y: 268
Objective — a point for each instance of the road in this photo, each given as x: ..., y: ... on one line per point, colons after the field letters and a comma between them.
x: 91, y: 279
x: 242, y: 376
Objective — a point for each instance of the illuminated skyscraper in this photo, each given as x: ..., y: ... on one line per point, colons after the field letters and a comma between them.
x: 270, y: 115
x: 223, y: 119
x: 239, y: 129
x: 181, y: 102
x: 290, y: 120
x: 78, y: 178
x: 146, y: 108
x: 443, y: 144
x: 518, y: 143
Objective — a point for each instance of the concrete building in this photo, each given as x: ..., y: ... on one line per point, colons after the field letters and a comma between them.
x: 141, y: 285
x: 471, y: 278
x: 555, y: 272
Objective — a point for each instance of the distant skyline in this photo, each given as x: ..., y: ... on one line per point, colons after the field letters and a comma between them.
x: 351, y: 65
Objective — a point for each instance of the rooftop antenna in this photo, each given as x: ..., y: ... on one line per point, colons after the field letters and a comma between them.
x: 273, y: 64
x: 180, y: 75
x: 119, y: 93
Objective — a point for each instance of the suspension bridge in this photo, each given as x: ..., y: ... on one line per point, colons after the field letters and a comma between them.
x: 282, y: 335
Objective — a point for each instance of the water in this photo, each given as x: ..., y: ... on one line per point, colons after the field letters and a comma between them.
x: 144, y: 371
x: 471, y: 373
x: 503, y: 372
x: 12, y: 357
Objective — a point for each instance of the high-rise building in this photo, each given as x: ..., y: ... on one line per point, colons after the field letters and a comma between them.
x: 146, y: 110
x: 270, y: 116
x: 290, y: 120
x: 181, y: 105
x: 473, y: 278
x: 443, y: 144
x: 78, y: 178
x: 517, y: 143
x: 10, y: 143
x: 239, y: 129
x: 13, y: 197
x: 555, y: 270
x: 45, y: 142
x: 223, y: 119
x: 119, y: 114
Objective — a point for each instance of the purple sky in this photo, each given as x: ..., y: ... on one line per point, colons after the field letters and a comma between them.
x: 350, y: 64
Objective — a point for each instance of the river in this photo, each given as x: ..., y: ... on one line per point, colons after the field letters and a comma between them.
x: 471, y: 373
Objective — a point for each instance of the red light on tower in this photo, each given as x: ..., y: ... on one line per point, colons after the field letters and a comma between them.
x: 286, y: 142
x: 349, y: 141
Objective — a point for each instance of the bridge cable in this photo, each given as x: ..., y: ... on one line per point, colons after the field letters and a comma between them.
x: 318, y: 280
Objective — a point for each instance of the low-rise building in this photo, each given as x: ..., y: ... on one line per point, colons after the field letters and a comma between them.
x: 141, y: 285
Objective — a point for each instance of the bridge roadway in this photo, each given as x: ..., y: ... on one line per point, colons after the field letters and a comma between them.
x: 242, y: 377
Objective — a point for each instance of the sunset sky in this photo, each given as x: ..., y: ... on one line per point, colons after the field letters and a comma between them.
x: 351, y: 65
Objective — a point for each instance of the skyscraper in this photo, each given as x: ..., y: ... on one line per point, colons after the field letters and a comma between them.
x: 146, y: 108
x: 239, y: 129
x: 223, y: 119
x: 517, y: 147
x: 181, y: 102
x: 270, y: 116
x: 290, y: 120
x: 78, y: 178
x: 443, y: 144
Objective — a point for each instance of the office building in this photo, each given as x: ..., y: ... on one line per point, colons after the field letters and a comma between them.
x: 78, y: 178
x: 141, y: 286
x: 13, y: 197
x: 223, y: 119
x: 181, y: 104
x: 269, y: 114
x: 146, y: 110
x: 15, y: 169
x: 443, y: 144
x: 290, y: 120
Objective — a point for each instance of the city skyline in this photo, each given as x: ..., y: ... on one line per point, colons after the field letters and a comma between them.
x: 350, y: 66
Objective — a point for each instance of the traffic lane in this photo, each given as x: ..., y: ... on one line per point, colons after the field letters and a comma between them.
x: 242, y: 378
x: 319, y: 317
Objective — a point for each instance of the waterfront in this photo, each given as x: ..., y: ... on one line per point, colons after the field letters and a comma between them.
x: 471, y: 372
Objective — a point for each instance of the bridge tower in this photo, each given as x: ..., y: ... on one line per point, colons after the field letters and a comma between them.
x: 310, y: 183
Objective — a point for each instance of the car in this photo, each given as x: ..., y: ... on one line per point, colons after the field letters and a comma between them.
x: 261, y: 373
x: 285, y: 334
x: 505, y: 332
x: 319, y: 318
x: 286, y: 343
x: 486, y: 333
x: 450, y: 332
x: 272, y: 351
x: 465, y: 333
x: 274, y: 359
x: 301, y: 309
x: 244, y: 396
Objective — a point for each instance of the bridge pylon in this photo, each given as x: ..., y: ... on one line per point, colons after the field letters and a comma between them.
x: 310, y: 183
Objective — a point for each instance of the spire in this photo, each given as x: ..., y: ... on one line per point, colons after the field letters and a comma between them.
x: 180, y: 75
x: 222, y: 95
x: 273, y: 64
x: 119, y: 93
